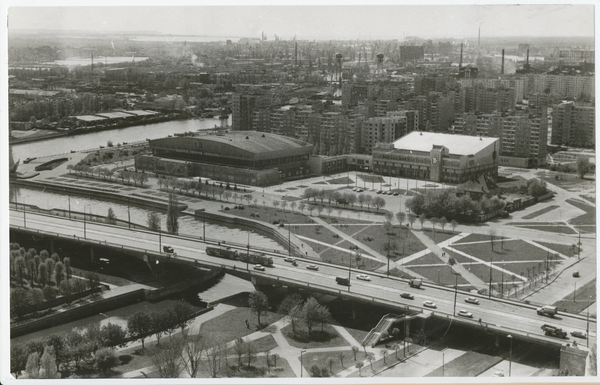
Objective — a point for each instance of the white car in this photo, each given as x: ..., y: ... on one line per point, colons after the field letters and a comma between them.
x: 289, y: 259
x: 363, y: 277
x: 312, y: 267
x: 259, y: 267
x: 472, y: 300
x: 429, y: 304
x: 464, y: 313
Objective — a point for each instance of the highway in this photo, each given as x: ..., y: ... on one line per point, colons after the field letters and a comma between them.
x: 509, y: 315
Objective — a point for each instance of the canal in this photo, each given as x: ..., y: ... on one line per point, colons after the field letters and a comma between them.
x: 93, y: 140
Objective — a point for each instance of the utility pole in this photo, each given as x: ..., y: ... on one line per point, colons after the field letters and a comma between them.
x: 490, y: 289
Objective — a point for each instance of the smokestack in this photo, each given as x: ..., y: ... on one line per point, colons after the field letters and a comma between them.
x: 527, y: 62
x: 502, y: 70
x: 461, y: 53
x: 296, y: 53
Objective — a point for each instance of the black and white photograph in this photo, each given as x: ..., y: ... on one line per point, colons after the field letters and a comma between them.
x: 298, y: 192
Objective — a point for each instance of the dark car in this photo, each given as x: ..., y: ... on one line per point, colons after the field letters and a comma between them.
x: 576, y: 274
x: 168, y: 249
x: 578, y: 334
x: 407, y: 296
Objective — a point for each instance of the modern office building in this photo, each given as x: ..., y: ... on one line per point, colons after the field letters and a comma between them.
x: 438, y: 157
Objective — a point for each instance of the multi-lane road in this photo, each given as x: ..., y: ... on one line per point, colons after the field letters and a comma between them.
x: 514, y: 317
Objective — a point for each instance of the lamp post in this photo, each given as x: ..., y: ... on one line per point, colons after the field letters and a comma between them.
x: 349, y: 269
x: 510, y: 355
x: 301, y: 364
x: 455, y: 291
x: 128, y: 215
x: 289, y: 239
x: 102, y: 314
x: 84, y: 217
x: 443, y: 365
x: 248, y: 252
x: 69, y: 206
x: 490, y: 289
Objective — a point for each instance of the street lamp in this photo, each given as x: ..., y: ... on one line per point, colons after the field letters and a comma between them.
x: 301, y: 364
x: 248, y: 252
x: 128, y: 215
x: 69, y: 206
x: 455, y: 290
x: 102, y: 314
x: 510, y: 355
x: 289, y: 239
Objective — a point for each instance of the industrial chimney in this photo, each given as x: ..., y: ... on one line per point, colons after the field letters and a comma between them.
x: 502, y: 69
x: 461, y: 55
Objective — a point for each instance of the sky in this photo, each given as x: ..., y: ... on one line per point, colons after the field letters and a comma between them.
x: 313, y: 21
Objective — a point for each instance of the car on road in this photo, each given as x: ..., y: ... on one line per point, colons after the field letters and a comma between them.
x: 354, y: 188
x: 363, y: 277
x: 259, y: 267
x: 379, y: 191
x: 429, y: 304
x: 389, y: 192
x: 359, y: 190
x: 407, y: 296
x: 395, y: 194
x: 576, y: 274
x: 472, y: 300
x: 578, y: 334
x: 312, y: 267
x: 289, y: 259
x: 464, y: 313
x: 167, y: 249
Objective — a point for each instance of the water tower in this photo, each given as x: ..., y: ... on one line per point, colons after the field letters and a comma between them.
x: 338, y: 65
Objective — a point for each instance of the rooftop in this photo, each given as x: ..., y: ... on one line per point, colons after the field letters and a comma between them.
x: 456, y: 144
x: 256, y: 142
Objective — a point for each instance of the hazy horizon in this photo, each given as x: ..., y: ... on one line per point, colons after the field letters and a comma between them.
x: 317, y: 22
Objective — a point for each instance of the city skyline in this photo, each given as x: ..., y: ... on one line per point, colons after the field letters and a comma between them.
x: 315, y: 22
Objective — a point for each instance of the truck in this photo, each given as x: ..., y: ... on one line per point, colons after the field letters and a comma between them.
x: 415, y: 282
x: 342, y: 281
x: 550, y: 330
x: 547, y: 310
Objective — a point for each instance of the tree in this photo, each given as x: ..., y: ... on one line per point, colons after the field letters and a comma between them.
x: 32, y: 366
x: 330, y: 362
x: 59, y: 343
x: 434, y: 222
x: 536, y: 188
x: 239, y: 347
x: 315, y: 370
x: 250, y: 352
x: 93, y: 279
x: 112, y: 335
x: 158, y: 324
x: 59, y: 272
x: 42, y: 274
x: 20, y: 267
x: 359, y: 366
x: 191, y: 354
x: 167, y: 359
x: 396, y: 347
x: 18, y: 358
x: 341, y: 356
x: 49, y: 293
x: 68, y: 269
x: 19, y: 301
x: 139, y: 325
x: 311, y: 313
x: 259, y: 303
x: 492, y: 234
x: 182, y: 312
x: 293, y: 205
x: 50, y: 266
x: 173, y: 215
x: 214, y: 352
x: 371, y: 358
x: 65, y: 288
x: 111, y: 218
x: 583, y: 165
x: 443, y: 222
x: 48, y: 364
x: 384, y: 353
x: 422, y: 219
x: 379, y: 203
x: 105, y: 359
x: 153, y: 221
x: 453, y: 224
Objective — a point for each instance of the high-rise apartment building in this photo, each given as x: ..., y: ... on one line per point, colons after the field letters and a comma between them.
x: 573, y: 125
x: 382, y: 129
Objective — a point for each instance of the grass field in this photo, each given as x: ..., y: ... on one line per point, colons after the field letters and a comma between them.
x: 342, y: 180
x: 552, y: 229
x: 515, y: 250
x: 589, y: 218
x: 540, y: 212
x: 232, y: 324
x: 442, y: 275
x: 470, y: 364
x: 577, y: 301
x: 321, y: 359
x: 328, y: 338
x: 439, y: 236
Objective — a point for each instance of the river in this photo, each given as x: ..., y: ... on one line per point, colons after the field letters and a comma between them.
x: 66, y: 144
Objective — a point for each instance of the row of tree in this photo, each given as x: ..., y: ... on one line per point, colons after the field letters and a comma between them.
x: 446, y: 203
x: 343, y: 198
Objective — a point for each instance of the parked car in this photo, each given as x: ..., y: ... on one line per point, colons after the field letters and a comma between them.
x: 354, y: 188
x: 389, y: 192
x: 395, y: 194
x: 578, y: 334
x: 464, y: 313
x: 576, y: 274
x: 379, y: 191
x: 429, y: 304
x: 407, y: 296
x: 312, y: 267
x: 363, y: 277
x: 259, y: 267
x: 472, y: 300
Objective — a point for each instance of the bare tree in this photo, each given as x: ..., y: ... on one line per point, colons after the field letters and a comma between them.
x: 213, y: 354
x: 492, y: 233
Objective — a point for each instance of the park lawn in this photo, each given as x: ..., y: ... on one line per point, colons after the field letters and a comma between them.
x: 427, y: 259
x: 563, y: 249
x: 369, y: 178
x: 473, y: 238
x: 589, y: 218
x: 369, y: 369
x: 316, y: 232
x: 470, y: 364
x: 516, y: 250
x: 584, y: 296
x: 446, y: 275
x: 379, y: 238
x: 232, y: 324
x: 569, y: 182
x: 552, y: 229
x: 586, y: 229
x: 340, y: 257
x: 261, y: 345
x: 328, y: 338
x: 540, y: 212
x: 255, y: 370
x: 395, y: 272
x: 343, y: 180
x: 339, y: 221
x: 269, y: 214
x: 321, y: 359
x: 439, y: 236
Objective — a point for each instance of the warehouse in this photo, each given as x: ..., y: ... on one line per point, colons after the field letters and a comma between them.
x: 242, y: 157
x: 438, y: 157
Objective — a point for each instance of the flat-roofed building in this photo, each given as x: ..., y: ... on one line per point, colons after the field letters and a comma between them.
x: 248, y: 157
x: 438, y: 157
